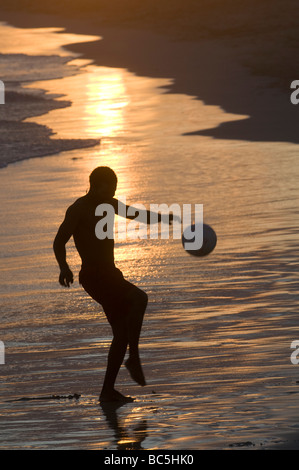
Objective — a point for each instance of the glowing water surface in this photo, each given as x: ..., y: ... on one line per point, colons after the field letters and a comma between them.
x: 217, y: 334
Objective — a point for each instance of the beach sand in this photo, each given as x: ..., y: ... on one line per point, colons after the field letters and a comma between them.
x: 216, y: 341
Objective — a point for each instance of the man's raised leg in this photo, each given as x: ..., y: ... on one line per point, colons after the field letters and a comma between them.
x: 137, y: 306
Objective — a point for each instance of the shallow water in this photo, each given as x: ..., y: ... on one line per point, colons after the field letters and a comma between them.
x: 216, y: 340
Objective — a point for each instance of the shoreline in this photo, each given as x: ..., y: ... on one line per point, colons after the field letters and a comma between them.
x: 261, y: 33
x: 20, y: 139
x: 211, y: 70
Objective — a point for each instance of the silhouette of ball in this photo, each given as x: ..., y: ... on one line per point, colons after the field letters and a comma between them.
x: 208, y: 243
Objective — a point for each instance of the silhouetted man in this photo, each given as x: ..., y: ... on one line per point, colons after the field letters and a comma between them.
x: 124, y: 304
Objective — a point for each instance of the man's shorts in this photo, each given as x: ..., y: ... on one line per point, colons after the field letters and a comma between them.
x: 109, y: 288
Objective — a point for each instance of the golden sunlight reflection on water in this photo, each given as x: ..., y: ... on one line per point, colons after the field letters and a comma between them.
x: 105, y: 100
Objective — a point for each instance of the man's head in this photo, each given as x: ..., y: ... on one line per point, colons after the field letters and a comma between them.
x: 103, y: 182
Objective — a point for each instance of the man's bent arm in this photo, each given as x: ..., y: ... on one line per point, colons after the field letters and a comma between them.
x: 64, y: 233
x: 60, y: 252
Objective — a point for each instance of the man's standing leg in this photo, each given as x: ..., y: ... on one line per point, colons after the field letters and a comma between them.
x: 126, y: 332
x: 116, y: 356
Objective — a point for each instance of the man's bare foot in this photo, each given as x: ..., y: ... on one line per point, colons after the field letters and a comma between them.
x: 114, y: 396
x: 134, y: 367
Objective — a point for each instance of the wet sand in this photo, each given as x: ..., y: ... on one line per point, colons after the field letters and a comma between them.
x: 216, y: 342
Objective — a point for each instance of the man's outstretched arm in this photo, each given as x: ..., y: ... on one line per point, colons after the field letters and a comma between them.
x: 64, y: 233
x: 149, y: 216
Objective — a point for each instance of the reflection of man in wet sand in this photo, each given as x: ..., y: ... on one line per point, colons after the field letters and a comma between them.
x: 124, y: 304
x: 120, y: 427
